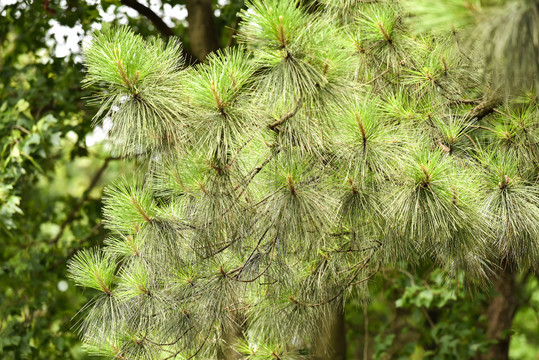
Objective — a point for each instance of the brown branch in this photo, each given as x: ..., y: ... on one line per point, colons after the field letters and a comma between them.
x: 464, y: 101
x: 160, y: 25
x: 73, y: 213
x: 483, y: 109
x: 150, y: 15
x: 256, y: 170
x: 376, y: 78
x: 285, y: 117
x: 204, y: 36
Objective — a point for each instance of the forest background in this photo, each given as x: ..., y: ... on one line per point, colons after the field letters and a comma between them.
x: 54, y: 164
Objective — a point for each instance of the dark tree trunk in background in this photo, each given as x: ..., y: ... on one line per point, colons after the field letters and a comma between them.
x: 331, y: 342
x: 232, y: 333
x: 500, y: 314
x: 203, y: 36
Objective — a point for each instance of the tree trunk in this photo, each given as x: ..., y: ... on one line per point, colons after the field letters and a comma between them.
x: 331, y: 342
x: 232, y: 332
x: 203, y: 36
x: 500, y: 315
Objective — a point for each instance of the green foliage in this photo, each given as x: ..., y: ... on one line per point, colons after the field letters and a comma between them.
x: 138, y: 89
x: 280, y: 177
x: 93, y: 269
x: 49, y: 204
x: 523, y: 339
x: 41, y: 145
x: 428, y: 319
x: 501, y: 30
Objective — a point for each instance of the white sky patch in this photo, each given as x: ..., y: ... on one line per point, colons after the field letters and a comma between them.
x: 100, y: 133
x: 175, y: 14
x: 66, y: 39
x: 7, y: 2
x: 72, y: 136
x: 69, y: 40
x: 4, y: 3
x: 107, y: 124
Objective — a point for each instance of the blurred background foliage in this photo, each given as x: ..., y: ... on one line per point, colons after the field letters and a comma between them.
x: 53, y: 169
x: 418, y: 315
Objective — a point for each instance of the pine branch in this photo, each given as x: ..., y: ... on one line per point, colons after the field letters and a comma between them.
x: 292, y: 238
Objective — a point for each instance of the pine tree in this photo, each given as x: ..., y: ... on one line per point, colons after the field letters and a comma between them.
x: 281, y: 174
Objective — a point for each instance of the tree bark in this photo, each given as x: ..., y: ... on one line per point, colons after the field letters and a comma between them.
x: 230, y: 336
x: 331, y: 342
x: 483, y: 109
x: 203, y: 36
x: 500, y: 315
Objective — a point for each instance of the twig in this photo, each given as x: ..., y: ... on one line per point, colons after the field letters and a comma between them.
x: 483, y: 109
x: 458, y: 45
x: 234, y: 29
x: 427, y: 316
x: 206, y: 339
x: 256, y: 248
x: 240, y: 149
x: 376, y: 78
x: 473, y: 142
x: 265, y: 269
x: 24, y: 130
x: 502, y: 113
x: 172, y: 343
x: 285, y: 117
x: 256, y: 170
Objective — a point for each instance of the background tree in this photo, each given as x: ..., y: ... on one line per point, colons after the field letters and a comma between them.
x: 281, y: 175
x: 50, y: 177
